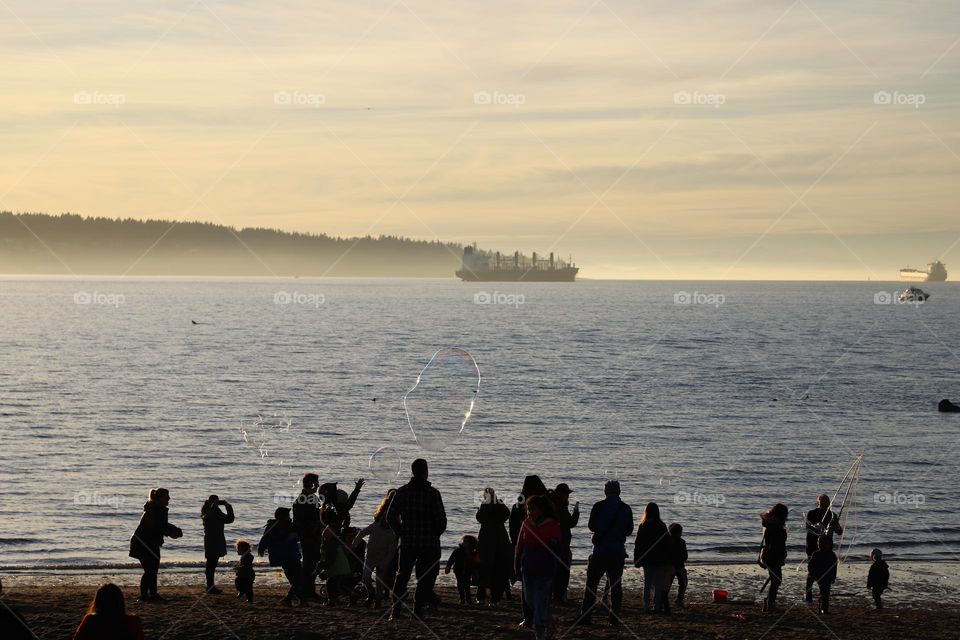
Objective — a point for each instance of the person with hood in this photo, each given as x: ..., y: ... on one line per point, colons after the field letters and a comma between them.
x: 821, y: 521
x: 148, y: 538
x: 107, y: 617
x: 773, y: 551
x: 611, y: 521
x: 279, y: 542
x: 418, y: 517
x: 381, y: 558
x: 878, y: 579
x: 214, y: 540
x: 532, y: 486
x: 568, y: 521
x: 538, y: 546
x: 652, y: 551
x: 496, y: 552
x: 822, y: 567
x: 337, y: 504
x: 306, y: 521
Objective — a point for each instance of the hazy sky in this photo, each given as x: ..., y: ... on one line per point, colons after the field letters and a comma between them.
x: 660, y: 139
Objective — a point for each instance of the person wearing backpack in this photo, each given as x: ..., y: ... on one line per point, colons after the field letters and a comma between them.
x: 611, y: 521
x: 279, y: 541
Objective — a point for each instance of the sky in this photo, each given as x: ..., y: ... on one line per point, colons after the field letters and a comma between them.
x: 724, y: 139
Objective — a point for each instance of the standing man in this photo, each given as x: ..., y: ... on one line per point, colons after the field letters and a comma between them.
x: 418, y: 517
x: 821, y: 521
x: 567, y: 520
x: 306, y: 521
x: 611, y: 521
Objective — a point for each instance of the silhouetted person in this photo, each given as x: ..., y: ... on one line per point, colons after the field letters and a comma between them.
x: 279, y: 542
x: 245, y: 573
x: 878, y: 579
x: 380, y: 562
x: 306, y: 520
x: 821, y: 521
x: 538, y: 547
x: 532, y: 486
x: 568, y: 521
x: 148, y: 538
x: 678, y: 553
x: 496, y: 552
x: 214, y: 540
x: 773, y: 551
x: 337, y: 504
x: 611, y: 521
x: 823, y: 569
x: 107, y: 618
x: 651, y: 550
x: 464, y: 562
x: 334, y: 565
x: 418, y: 517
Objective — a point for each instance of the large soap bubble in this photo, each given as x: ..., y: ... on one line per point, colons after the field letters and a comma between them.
x: 386, y: 464
x: 440, y: 403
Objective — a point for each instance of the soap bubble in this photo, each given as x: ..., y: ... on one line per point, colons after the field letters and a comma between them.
x: 386, y: 464
x: 441, y: 401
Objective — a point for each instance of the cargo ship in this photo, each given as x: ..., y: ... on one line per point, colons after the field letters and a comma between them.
x: 480, y: 266
x: 936, y: 272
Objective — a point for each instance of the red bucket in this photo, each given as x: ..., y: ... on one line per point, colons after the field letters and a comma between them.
x: 720, y: 596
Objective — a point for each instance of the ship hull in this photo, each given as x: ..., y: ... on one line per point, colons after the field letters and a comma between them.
x: 568, y: 274
x: 921, y: 276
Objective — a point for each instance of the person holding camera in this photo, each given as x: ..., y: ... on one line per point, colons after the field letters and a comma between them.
x: 214, y: 540
x: 148, y: 538
x: 496, y: 552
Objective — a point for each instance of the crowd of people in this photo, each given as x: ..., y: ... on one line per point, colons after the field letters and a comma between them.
x: 530, y: 543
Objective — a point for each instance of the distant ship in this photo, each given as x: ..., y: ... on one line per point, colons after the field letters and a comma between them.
x: 936, y: 272
x: 485, y: 267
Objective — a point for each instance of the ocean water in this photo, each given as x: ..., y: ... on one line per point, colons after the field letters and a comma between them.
x: 751, y: 394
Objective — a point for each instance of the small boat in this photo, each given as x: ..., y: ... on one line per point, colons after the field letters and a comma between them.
x: 913, y: 294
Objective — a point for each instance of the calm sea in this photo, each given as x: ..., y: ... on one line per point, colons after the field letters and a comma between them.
x: 714, y: 399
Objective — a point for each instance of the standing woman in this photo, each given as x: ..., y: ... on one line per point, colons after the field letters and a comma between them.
x: 496, y: 552
x: 148, y: 538
x: 532, y: 486
x: 652, y: 552
x: 773, y: 550
x: 538, y: 548
x: 214, y: 541
x: 381, y: 556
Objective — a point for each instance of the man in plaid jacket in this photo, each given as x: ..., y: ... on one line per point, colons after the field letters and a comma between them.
x: 418, y: 517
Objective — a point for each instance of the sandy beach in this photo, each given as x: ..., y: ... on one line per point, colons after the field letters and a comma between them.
x: 53, y: 605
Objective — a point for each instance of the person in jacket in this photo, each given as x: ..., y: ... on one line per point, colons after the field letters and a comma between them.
x: 568, y: 521
x: 245, y: 573
x: 822, y: 567
x: 821, y: 521
x: 279, y: 542
x: 214, y: 540
x: 652, y: 552
x: 418, y: 517
x: 381, y: 558
x: 107, y: 618
x: 773, y: 550
x: 532, y: 486
x: 464, y: 561
x: 538, y: 546
x: 678, y: 551
x: 878, y: 579
x: 611, y: 521
x: 493, y: 543
x: 306, y: 520
x: 148, y: 538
